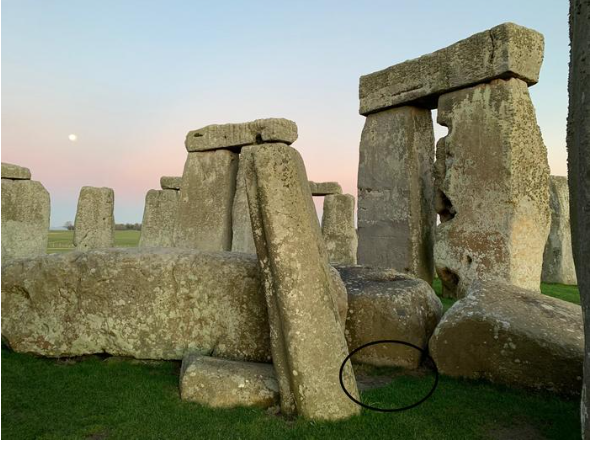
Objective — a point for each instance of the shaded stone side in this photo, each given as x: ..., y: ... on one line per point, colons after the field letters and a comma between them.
x: 204, y: 219
x: 159, y: 218
x: 95, y: 222
x: 338, y: 229
x: 11, y: 171
x: 396, y: 215
x: 492, y: 191
x: 558, y: 259
x: 242, y: 238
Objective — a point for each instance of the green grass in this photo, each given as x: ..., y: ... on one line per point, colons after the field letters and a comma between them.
x: 63, y: 241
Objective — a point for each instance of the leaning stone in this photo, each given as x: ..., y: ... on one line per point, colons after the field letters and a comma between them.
x: 171, y: 182
x: 492, y: 188
x: 25, y: 219
x: 95, y: 222
x: 226, y: 383
x: 396, y: 216
x: 512, y: 336
x: 505, y: 51
x: 242, y: 238
x: 204, y: 219
x: 11, y: 171
x: 236, y: 135
x: 338, y: 229
x: 324, y: 188
x: 558, y: 260
x: 307, y: 338
x: 159, y: 218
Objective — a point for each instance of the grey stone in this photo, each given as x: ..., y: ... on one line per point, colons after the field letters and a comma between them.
x: 25, y: 219
x: 505, y: 51
x: 227, y: 383
x: 159, y: 218
x: 95, y: 222
x: 492, y: 188
x: 242, y: 238
x: 338, y: 229
x: 396, y: 215
x: 324, y: 188
x: 171, y: 182
x: 558, y: 259
x: 512, y: 336
x: 204, y: 219
x: 11, y: 171
x: 236, y: 135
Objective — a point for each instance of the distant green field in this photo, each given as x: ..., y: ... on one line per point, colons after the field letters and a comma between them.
x: 63, y: 241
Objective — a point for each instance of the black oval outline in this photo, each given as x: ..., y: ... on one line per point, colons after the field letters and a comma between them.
x: 389, y: 410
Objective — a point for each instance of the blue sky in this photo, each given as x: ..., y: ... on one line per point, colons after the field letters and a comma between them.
x: 130, y: 78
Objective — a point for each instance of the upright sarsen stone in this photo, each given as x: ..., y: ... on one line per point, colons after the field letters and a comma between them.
x: 396, y: 215
x: 159, y: 218
x: 95, y: 223
x: 338, y: 229
x: 242, y: 238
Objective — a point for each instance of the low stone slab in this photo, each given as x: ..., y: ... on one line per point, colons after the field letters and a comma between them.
x: 236, y: 135
x: 386, y: 305
x: 171, y: 182
x: 95, y: 221
x: 11, y: 171
x: 505, y: 51
x: 324, y: 188
x: 226, y: 383
x: 513, y: 336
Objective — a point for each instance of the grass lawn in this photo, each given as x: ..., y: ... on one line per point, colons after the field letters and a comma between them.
x: 63, y: 241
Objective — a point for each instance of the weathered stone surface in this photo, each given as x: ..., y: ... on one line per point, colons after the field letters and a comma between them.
x: 236, y: 135
x: 396, y: 215
x: 25, y: 219
x: 513, y: 336
x: 578, y: 146
x: 307, y: 338
x: 558, y: 259
x: 338, y: 229
x: 505, y: 51
x: 95, y: 222
x: 242, y: 238
x: 226, y: 383
x: 171, y: 182
x: 11, y: 171
x: 204, y: 219
x: 159, y: 218
x: 386, y: 305
x: 492, y: 191
x: 148, y: 303
x: 324, y: 188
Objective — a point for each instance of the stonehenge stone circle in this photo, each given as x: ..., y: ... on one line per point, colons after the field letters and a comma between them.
x: 510, y: 335
x: 324, y: 188
x: 338, y: 229
x: 492, y: 188
x: 95, y: 222
x: 159, y: 218
x: 242, y: 238
x: 171, y: 182
x: 578, y: 147
x: 307, y: 338
x: 396, y: 216
x: 558, y: 259
x: 25, y: 214
x: 227, y: 383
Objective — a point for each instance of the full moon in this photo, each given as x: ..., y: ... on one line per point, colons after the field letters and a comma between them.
x: 73, y: 137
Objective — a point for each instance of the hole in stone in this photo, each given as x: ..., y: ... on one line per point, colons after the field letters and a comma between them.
x: 258, y: 139
x: 198, y: 135
x: 450, y: 281
x: 444, y: 207
x: 468, y: 259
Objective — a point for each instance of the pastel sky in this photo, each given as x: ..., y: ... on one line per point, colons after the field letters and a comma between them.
x: 131, y: 77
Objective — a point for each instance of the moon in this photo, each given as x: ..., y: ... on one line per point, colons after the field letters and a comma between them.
x: 73, y: 137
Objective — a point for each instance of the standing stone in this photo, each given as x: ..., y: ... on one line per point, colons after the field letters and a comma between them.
x: 11, y: 171
x: 159, y: 217
x: 396, y: 215
x: 558, y: 260
x: 95, y: 222
x: 204, y: 219
x: 307, y: 338
x: 492, y: 188
x: 242, y: 238
x: 338, y: 229
x: 578, y: 147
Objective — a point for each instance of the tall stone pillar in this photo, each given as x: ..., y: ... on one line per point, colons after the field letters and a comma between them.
x: 338, y: 229
x: 242, y: 240
x: 95, y: 222
x: 159, y: 214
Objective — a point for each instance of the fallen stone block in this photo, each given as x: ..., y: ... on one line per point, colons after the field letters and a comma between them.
x: 338, y: 229
x: 11, y: 171
x: 159, y: 218
x: 171, y: 182
x: 324, y: 188
x: 95, y: 222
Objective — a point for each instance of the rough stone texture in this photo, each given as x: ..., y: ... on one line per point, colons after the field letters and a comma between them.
x: 242, y: 238
x: 505, y: 51
x: 237, y: 135
x: 204, y: 219
x: 396, y: 215
x: 513, y: 336
x: 558, y: 259
x: 149, y: 303
x: 11, y: 171
x: 492, y: 188
x: 324, y: 188
x: 307, y: 338
x: 338, y: 229
x: 386, y: 305
x: 226, y: 383
x: 95, y: 222
x: 578, y: 145
x: 159, y: 218
x: 171, y: 182
x: 25, y: 219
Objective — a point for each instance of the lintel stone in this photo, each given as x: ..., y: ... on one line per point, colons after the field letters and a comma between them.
x: 324, y: 188
x: 11, y: 171
x: 171, y: 182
